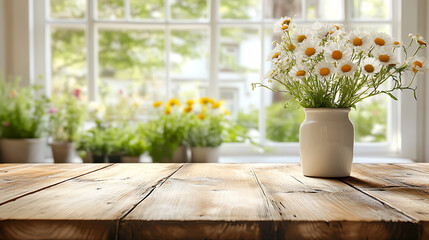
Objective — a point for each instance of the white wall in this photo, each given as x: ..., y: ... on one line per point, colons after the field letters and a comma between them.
x: 2, y: 37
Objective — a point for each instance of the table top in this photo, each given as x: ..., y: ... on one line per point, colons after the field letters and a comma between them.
x: 211, y: 201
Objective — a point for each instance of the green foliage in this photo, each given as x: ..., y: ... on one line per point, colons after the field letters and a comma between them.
x: 21, y: 116
x: 206, y: 130
x: 164, y: 135
x: 370, y: 121
x: 283, y: 125
x: 134, y: 142
x: 103, y: 140
x: 66, y: 117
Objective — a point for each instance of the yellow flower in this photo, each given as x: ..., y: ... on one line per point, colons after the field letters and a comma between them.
x: 227, y: 112
x: 173, y: 102
x: 216, y: 105
x: 201, y: 116
x: 206, y: 100
x: 13, y: 93
x: 167, y: 110
x: 190, y: 102
x: 157, y: 104
x: 187, y: 109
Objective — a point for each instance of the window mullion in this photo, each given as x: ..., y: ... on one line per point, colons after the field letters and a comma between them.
x: 167, y: 48
x: 92, y: 55
x: 213, y: 88
x: 262, y: 113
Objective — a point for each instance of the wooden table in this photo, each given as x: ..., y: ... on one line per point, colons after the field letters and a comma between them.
x: 211, y: 201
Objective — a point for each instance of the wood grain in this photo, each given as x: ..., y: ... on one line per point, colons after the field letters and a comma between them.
x: 200, y: 201
x: 317, y: 208
x: 399, y: 186
x: 17, y: 180
x: 87, y: 207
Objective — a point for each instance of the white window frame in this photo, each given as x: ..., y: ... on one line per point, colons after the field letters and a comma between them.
x: 402, y: 124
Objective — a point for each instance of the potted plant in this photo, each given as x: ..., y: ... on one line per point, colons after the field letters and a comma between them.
x: 66, y: 118
x: 206, y: 134
x: 22, y: 123
x: 113, y: 138
x: 165, y: 134
x: 94, y: 144
x: 134, y: 144
x: 328, y: 71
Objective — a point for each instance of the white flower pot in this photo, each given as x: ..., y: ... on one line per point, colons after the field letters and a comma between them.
x: 179, y: 156
x: 204, y: 154
x: 326, y: 140
x: 129, y: 159
x: 28, y: 150
x: 63, y: 152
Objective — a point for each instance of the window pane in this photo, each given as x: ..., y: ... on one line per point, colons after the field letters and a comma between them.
x: 325, y: 9
x: 372, y: 9
x: 387, y: 28
x: 189, y: 59
x: 68, y: 61
x: 188, y: 9
x: 275, y: 9
x: 110, y: 9
x: 243, y: 9
x: 370, y: 120
x: 68, y: 9
x: 239, y: 66
x: 133, y: 60
x: 148, y: 9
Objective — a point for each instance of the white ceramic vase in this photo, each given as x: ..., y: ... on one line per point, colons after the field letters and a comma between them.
x: 326, y: 140
x: 28, y: 150
x: 63, y: 152
x: 204, y: 154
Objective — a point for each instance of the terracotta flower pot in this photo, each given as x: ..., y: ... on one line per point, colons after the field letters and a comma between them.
x: 326, y: 140
x: 63, y: 152
x: 28, y: 150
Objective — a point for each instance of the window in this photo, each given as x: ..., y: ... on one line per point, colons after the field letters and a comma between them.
x: 156, y: 49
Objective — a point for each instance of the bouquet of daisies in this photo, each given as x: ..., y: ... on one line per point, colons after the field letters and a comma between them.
x: 325, y: 67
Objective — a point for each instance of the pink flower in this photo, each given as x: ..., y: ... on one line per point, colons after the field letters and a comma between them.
x: 76, y: 93
x: 53, y: 110
x: 121, y: 92
x: 6, y: 124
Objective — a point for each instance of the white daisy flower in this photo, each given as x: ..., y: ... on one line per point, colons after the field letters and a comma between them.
x: 346, y: 68
x: 397, y: 44
x: 370, y: 66
x: 381, y: 39
x: 299, y: 71
x: 323, y: 30
x: 336, y: 52
x: 419, y: 39
x: 417, y: 64
x: 283, y: 24
x: 359, y: 40
x: 324, y: 69
x: 300, y: 35
x: 308, y: 49
x: 386, y: 56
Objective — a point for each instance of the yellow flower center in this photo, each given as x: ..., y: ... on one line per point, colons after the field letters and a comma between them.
x: 331, y: 32
x: 396, y: 43
x: 291, y: 47
x: 384, y: 58
x: 369, y: 68
x: 276, y: 55
x: 337, y: 55
x: 421, y: 42
x: 301, y: 38
x: 337, y: 27
x: 300, y: 73
x: 418, y: 63
x: 379, y: 41
x: 346, y: 68
x: 157, y: 104
x: 284, y: 27
x: 357, y: 41
x: 310, y: 51
x: 324, y: 71
x: 187, y: 109
x: 287, y: 21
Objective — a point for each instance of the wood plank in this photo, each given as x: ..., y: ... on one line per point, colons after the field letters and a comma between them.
x: 204, y: 201
x: 87, y: 207
x: 317, y: 208
x: 400, y: 187
x: 422, y: 167
x: 19, y: 179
